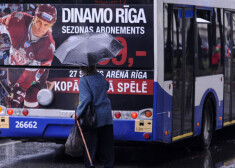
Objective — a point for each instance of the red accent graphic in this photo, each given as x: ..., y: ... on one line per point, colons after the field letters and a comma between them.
x: 141, y: 53
x: 131, y: 86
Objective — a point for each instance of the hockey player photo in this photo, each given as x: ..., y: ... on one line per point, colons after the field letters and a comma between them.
x: 32, y: 44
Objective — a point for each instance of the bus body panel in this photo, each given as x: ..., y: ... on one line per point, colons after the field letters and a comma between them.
x: 130, y: 91
x: 130, y: 74
x: 202, y: 88
x: 164, y: 113
x: 59, y: 128
x: 124, y: 130
x: 34, y: 127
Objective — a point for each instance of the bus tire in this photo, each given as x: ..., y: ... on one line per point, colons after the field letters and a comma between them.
x: 207, y: 125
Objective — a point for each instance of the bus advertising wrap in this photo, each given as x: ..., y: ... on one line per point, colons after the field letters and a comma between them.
x: 30, y: 34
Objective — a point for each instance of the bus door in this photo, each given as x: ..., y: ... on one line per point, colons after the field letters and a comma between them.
x: 229, y: 67
x: 183, y: 71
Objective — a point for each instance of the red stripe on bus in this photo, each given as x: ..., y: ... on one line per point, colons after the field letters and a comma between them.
x: 117, y: 86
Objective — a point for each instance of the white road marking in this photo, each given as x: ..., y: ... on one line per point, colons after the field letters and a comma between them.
x: 10, y: 143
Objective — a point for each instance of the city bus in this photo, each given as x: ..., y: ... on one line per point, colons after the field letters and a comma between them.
x: 172, y: 80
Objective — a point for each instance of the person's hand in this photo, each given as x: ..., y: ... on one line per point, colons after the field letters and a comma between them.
x: 15, y: 99
x: 74, y: 117
x: 50, y: 85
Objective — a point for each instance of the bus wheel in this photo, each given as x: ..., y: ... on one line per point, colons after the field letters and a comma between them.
x: 207, y: 125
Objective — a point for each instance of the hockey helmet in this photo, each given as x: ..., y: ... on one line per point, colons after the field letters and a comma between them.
x: 46, y: 12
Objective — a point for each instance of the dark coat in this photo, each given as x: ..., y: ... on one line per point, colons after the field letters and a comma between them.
x: 101, y: 102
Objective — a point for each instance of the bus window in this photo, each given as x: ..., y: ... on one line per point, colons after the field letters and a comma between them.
x: 217, y: 37
x: 189, y: 73
x: 204, y: 55
x: 177, y: 74
x: 183, y: 70
x: 227, y: 65
x: 233, y: 70
x: 168, y: 43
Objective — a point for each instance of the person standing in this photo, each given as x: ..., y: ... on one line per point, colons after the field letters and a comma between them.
x: 101, y: 137
x: 32, y: 44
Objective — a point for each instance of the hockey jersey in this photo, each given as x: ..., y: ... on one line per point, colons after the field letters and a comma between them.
x: 24, y: 51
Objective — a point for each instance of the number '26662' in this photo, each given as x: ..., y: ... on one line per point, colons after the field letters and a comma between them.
x: 26, y: 124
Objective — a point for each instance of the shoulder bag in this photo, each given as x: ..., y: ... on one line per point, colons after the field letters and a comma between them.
x: 88, y: 118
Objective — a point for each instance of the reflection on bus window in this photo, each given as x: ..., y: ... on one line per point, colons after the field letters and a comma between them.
x: 168, y: 44
x: 228, y: 46
x: 189, y: 72
x: 217, y: 34
x: 209, y: 42
x: 204, y: 58
x: 177, y: 72
x: 203, y: 49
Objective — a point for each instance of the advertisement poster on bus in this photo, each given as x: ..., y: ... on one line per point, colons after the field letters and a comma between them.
x: 31, y: 33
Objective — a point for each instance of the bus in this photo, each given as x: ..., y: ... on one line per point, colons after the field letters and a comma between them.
x: 172, y: 80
